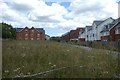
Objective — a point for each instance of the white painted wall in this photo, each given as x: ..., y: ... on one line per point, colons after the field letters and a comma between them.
x: 106, y: 33
x: 102, y: 25
x: 95, y: 30
x: 99, y: 28
x: 87, y: 33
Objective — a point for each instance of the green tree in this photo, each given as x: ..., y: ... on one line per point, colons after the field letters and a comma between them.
x: 8, y: 32
x: 58, y: 39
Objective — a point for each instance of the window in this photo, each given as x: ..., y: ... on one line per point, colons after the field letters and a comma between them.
x: 38, y: 35
x: 26, y: 34
x: 26, y: 30
x: 32, y: 39
x: 93, y: 35
x: 32, y: 35
x: 107, y: 33
x: 26, y: 38
x: 38, y: 38
x: 32, y: 30
x: 87, y: 36
x: 118, y: 31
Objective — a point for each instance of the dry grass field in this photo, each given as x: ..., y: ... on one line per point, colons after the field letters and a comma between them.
x: 30, y: 57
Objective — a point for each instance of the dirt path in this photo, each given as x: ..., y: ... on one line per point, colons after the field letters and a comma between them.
x: 83, y: 47
x: 115, y: 53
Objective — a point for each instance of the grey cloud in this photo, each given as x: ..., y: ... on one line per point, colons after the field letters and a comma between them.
x: 44, y: 19
x: 6, y: 17
x: 89, y: 9
x: 19, y: 7
x: 85, y: 7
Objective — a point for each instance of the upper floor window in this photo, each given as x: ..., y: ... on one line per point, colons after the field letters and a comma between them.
x: 118, y: 31
x: 26, y: 30
x: 107, y: 33
x: 32, y: 30
x: 38, y: 35
x: 93, y: 35
x: 87, y: 36
x: 26, y: 34
x: 106, y: 26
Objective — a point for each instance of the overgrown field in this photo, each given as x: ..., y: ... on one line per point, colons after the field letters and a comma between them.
x: 31, y: 57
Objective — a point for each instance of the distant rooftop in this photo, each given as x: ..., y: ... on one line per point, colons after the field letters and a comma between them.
x: 98, y: 22
x: 38, y: 29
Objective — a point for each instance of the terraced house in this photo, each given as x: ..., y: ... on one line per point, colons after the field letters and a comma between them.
x: 30, y: 33
x: 111, y: 32
x: 72, y: 35
x: 93, y: 33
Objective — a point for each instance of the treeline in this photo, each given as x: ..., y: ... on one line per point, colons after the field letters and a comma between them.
x: 58, y: 39
x: 7, y: 31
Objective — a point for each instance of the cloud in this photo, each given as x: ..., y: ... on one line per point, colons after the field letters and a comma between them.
x: 57, y: 0
x: 85, y: 11
x: 82, y: 6
x: 79, y: 13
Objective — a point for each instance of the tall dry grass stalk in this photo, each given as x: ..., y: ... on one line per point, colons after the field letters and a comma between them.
x: 30, y: 57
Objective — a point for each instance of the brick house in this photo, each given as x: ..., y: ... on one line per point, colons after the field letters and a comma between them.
x: 66, y: 37
x: 30, y: 33
x: 82, y: 35
x: 98, y: 26
x: 111, y: 32
x: 74, y: 34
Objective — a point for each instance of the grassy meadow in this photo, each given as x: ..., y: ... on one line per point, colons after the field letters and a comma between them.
x: 31, y: 57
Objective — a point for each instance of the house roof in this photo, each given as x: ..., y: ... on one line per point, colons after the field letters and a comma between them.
x: 107, y: 29
x: 66, y: 34
x: 88, y: 27
x: 98, y: 22
x: 118, y: 21
x: 18, y: 29
x: 38, y: 29
x: 111, y: 25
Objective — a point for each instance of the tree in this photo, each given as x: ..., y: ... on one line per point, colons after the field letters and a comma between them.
x: 58, y: 39
x: 7, y: 31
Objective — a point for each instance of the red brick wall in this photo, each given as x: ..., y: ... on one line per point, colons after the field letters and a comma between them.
x: 112, y: 34
x: 66, y: 37
x: 104, y: 38
x: 72, y: 34
x: 75, y: 33
x: 29, y: 32
x: 117, y: 37
x: 82, y: 39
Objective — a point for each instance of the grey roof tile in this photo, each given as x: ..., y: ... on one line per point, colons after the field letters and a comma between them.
x: 38, y: 29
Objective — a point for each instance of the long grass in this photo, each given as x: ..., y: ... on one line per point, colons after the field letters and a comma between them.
x: 30, y: 57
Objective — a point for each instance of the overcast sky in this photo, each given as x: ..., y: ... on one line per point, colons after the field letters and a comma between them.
x: 56, y: 16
